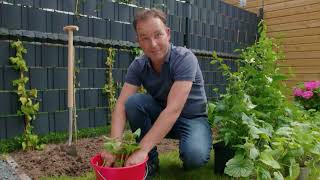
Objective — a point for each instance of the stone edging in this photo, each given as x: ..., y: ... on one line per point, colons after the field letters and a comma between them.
x: 14, y: 166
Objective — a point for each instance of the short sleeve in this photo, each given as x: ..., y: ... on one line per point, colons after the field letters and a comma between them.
x: 133, y: 73
x: 185, y: 67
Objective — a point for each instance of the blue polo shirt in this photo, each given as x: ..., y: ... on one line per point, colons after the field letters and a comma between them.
x: 180, y: 65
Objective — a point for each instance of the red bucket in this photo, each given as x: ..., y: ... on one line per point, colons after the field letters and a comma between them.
x: 135, y: 172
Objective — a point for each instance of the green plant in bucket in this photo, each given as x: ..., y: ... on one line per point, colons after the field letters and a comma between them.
x: 122, y: 148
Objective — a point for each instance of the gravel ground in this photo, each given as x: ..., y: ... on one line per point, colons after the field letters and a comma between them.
x: 6, y: 172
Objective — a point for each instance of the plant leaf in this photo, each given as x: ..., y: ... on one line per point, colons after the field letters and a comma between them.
x: 316, y: 149
x: 248, y: 102
x: 23, y: 100
x: 294, y: 169
x: 263, y: 174
x: 266, y: 158
x: 277, y: 176
x: 254, y: 153
x: 246, y: 118
x: 239, y: 167
x: 284, y: 131
x: 137, y: 133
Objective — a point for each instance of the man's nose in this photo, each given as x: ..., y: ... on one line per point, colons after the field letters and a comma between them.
x: 153, y: 42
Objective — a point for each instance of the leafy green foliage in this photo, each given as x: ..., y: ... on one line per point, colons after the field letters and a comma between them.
x: 307, y: 136
x: 30, y: 140
x: 257, y: 120
x: 136, y: 51
x: 122, y: 148
x: 28, y: 107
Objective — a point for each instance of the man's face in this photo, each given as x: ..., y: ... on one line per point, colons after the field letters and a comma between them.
x: 154, y: 38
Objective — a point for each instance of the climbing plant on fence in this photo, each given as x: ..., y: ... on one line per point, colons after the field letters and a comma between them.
x: 110, y: 87
x: 27, y: 98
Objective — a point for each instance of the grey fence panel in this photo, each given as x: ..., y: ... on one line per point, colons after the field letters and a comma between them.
x: 83, y: 77
x: 14, y: 126
x: 38, y: 78
x: 41, y: 124
x: 83, y: 119
x: 100, y: 117
x: 201, y: 25
x: 3, y: 127
x: 1, y: 78
x: 4, y: 53
x: 9, y: 74
x: 50, y: 101
x: 99, y: 78
x: 102, y: 99
x: 63, y: 100
x: 61, y: 121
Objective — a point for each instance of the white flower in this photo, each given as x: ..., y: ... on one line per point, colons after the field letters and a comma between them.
x: 252, y: 60
x: 269, y: 79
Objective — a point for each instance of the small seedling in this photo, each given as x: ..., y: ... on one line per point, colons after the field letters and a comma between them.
x: 122, y: 148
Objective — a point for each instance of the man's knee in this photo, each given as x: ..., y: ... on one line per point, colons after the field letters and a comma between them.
x: 194, y: 156
x: 132, y: 110
x: 133, y: 101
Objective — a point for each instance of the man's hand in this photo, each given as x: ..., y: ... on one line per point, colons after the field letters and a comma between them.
x: 137, y: 157
x: 108, y: 158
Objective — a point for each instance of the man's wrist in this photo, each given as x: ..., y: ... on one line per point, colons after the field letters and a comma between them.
x: 145, y: 147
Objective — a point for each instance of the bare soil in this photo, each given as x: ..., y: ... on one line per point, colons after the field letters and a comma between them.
x: 58, y: 159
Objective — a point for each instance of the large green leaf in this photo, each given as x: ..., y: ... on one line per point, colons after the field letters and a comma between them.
x: 239, y: 167
x: 266, y: 158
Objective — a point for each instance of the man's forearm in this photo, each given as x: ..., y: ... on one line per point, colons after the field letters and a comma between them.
x: 118, y: 121
x: 159, y: 130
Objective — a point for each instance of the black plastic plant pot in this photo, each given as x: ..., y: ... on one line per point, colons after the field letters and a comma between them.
x: 222, y: 154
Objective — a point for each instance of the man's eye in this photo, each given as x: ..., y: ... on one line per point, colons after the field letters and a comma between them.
x: 158, y: 35
x: 144, y: 38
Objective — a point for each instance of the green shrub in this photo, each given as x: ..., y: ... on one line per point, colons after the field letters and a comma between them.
x: 257, y: 120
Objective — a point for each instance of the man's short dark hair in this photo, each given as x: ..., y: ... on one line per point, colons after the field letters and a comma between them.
x: 147, y: 13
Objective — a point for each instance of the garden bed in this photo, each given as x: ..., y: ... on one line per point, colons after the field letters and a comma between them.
x: 57, y: 159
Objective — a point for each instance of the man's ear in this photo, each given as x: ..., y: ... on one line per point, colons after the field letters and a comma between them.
x: 168, y: 30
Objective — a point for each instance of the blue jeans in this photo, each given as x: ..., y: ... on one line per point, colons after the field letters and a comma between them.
x: 195, y: 136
